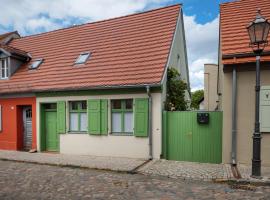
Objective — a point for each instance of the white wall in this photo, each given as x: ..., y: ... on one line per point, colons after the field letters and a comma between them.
x: 111, y: 145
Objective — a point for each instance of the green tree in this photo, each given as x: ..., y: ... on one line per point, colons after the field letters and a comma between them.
x: 176, y: 89
x: 195, y: 99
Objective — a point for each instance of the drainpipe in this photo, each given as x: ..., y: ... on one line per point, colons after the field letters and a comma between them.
x: 150, y: 123
x: 234, y: 120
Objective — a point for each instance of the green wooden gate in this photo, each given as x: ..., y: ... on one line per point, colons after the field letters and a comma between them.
x: 184, y: 139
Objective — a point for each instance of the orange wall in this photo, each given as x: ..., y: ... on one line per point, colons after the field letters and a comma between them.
x: 11, y: 136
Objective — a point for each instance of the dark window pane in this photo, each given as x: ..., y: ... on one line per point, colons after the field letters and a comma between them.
x: 84, y: 105
x: 129, y: 104
x: 116, y: 104
x: 74, y: 105
x: 50, y: 106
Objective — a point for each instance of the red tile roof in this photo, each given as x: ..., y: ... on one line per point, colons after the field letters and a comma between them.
x: 234, y: 18
x: 130, y: 50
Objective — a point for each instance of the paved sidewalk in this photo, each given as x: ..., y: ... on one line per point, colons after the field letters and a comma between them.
x: 188, y: 170
x: 167, y: 168
x: 245, y: 171
x: 93, y: 162
x: 22, y: 181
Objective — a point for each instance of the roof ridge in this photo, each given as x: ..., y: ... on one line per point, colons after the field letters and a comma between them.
x: 104, y: 20
x: 229, y: 2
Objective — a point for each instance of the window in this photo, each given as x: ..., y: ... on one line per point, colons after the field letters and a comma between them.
x: 4, y: 73
x: 83, y: 57
x: 35, y: 64
x: 122, y: 116
x: 78, y: 116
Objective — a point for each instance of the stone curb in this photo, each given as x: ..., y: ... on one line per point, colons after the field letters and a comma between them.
x: 243, y: 182
x: 67, y: 165
x: 251, y: 182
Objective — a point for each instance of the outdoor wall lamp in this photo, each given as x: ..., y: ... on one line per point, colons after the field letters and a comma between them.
x: 258, y: 31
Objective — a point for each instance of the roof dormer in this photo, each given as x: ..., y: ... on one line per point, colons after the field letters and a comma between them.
x: 10, y: 60
x: 7, y: 37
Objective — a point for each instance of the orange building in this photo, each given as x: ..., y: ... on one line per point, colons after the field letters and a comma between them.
x: 18, y: 123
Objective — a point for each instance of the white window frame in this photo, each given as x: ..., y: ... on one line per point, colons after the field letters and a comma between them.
x: 79, y: 111
x: 87, y: 54
x: 5, y: 67
x: 123, y: 110
x: 36, y: 63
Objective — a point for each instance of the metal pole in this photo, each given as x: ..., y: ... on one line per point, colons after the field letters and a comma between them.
x: 256, y: 159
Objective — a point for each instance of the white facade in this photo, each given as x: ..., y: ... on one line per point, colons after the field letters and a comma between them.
x: 110, y: 145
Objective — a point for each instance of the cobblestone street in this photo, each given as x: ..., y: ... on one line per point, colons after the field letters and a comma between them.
x: 33, y: 181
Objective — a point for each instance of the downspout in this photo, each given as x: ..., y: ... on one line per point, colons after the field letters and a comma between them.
x: 234, y: 120
x: 150, y: 123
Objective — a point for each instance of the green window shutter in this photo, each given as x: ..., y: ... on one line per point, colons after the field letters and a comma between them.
x: 141, y: 118
x: 93, y: 109
x: 265, y: 109
x: 61, y: 117
x: 104, y: 117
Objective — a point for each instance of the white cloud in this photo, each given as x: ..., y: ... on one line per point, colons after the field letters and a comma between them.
x: 24, y: 15
x: 202, y: 46
x: 43, y: 24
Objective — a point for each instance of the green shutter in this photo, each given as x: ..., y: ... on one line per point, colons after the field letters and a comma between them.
x: 104, y: 117
x: 93, y: 109
x: 265, y: 109
x: 141, y: 118
x: 61, y: 117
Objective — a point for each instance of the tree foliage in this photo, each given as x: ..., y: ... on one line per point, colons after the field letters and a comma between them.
x: 195, y: 99
x: 176, y: 89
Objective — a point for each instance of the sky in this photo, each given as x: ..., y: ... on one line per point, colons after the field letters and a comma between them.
x: 201, y: 20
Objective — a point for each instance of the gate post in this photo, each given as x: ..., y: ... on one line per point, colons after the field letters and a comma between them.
x: 164, y: 135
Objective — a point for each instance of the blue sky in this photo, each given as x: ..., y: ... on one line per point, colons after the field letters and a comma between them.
x: 200, y: 17
x: 205, y: 10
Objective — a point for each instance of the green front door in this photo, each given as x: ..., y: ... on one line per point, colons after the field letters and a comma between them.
x: 52, y: 138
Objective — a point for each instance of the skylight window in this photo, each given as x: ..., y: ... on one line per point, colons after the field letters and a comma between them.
x: 83, y: 57
x: 35, y: 64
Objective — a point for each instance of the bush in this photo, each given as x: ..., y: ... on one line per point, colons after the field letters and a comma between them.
x: 176, y: 89
x: 195, y: 99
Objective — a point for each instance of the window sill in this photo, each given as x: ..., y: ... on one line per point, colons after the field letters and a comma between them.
x: 121, y: 134
x: 79, y: 132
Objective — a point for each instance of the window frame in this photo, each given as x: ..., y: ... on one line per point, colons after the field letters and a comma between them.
x: 38, y: 61
x: 86, y: 59
x: 6, y: 68
x: 79, y: 111
x: 122, y: 111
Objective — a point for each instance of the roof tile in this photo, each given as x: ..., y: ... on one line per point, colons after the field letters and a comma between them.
x: 130, y: 50
x: 234, y: 18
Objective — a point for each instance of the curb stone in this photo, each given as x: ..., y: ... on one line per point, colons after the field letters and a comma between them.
x: 66, y: 165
